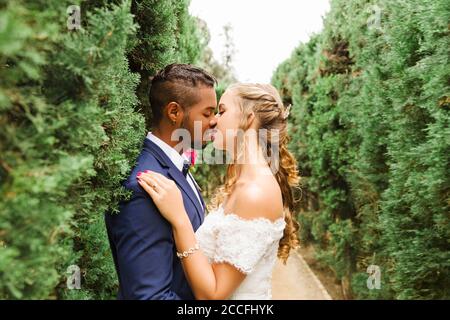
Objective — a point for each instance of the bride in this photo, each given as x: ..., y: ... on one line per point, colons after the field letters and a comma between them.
x: 232, y: 254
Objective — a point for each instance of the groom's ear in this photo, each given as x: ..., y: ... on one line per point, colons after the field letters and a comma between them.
x: 174, y: 112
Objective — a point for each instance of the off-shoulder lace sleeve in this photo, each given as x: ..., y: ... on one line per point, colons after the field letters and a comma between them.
x: 242, y: 243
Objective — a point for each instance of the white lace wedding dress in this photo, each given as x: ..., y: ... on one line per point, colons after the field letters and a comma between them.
x: 249, y: 245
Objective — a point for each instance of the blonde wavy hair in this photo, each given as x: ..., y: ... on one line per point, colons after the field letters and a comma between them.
x: 264, y: 100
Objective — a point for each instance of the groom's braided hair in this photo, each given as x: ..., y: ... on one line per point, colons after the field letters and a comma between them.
x: 177, y: 83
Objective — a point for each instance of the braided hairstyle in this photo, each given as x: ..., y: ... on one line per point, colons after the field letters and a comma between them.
x: 265, y: 102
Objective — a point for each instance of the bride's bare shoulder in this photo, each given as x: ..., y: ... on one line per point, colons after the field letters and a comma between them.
x: 257, y: 199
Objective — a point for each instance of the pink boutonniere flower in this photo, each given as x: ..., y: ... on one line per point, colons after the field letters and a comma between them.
x: 191, y: 154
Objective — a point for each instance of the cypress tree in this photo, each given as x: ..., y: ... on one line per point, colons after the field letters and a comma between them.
x: 370, y: 132
x: 71, y: 126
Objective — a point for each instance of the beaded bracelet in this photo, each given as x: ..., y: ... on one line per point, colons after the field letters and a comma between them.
x: 185, y: 254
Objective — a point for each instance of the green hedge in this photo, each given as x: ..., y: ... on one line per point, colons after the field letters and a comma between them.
x: 370, y: 130
x: 71, y: 125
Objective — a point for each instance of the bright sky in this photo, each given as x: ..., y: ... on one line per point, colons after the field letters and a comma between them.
x: 264, y: 31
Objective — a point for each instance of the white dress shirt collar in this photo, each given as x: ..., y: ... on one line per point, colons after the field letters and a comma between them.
x: 177, y: 159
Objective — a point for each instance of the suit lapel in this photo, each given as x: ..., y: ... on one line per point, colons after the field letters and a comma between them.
x: 197, y: 187
x: 175, y: 174
x: 180, y: 179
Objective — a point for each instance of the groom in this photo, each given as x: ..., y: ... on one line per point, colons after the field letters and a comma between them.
x: 141, y: 239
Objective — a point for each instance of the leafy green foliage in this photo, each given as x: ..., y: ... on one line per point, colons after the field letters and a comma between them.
x: 70, y: 131
x: 370, y: 130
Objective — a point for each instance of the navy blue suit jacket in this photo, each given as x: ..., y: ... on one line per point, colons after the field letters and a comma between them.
x: 141, y: 239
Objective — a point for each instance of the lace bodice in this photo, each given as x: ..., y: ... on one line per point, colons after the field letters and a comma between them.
x: 249, y: 245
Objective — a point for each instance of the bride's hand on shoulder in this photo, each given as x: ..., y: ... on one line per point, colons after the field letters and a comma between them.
x: 165, y: 195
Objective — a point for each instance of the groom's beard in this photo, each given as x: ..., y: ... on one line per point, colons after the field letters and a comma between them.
x: 204, y: 145
x: 193, y: 144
